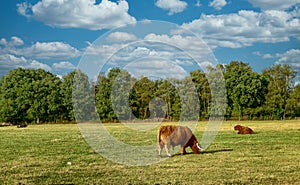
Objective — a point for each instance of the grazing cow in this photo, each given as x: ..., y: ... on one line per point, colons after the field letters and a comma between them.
x: 172, y: 135
x: 243, y: 129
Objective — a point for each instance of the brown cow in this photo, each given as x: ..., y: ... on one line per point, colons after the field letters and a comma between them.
x: 172, y: 135
x: 243, y: 129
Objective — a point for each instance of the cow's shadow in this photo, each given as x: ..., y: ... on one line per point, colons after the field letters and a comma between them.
x: 206, y: 152
x: 216, y: 151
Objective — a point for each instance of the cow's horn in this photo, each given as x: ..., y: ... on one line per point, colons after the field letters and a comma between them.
x: 201, y: 149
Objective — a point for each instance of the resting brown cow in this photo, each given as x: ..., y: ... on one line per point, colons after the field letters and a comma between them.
x: 243, y: 129
x: 172, y: 135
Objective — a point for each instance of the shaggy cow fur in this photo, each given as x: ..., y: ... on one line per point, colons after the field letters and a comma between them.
x: 243, y: 129
x: 172, y: 135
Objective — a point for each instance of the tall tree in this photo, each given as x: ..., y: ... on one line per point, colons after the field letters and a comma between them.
x: 30, y: 95
x: 142, y: 93
x: 293, y: 103
x: 281, y: 83
x: 204, y: 92
x: 66, y: 92
x: 245, y: 88
x: 83, y: 97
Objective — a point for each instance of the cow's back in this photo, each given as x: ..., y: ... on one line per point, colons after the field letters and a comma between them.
x: 177, y: 135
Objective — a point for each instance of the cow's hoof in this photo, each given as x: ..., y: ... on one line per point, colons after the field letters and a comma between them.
x: 169, y: 155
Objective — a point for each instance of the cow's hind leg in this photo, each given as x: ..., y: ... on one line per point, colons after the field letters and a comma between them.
x: 160, y: 147
x: 167, y: 146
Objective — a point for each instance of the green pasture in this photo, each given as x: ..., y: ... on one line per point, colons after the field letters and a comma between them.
x: 58, y: 154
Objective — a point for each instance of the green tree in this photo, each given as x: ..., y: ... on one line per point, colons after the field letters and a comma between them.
x: 30, y: 95
x: 281, y: 83
x: 204, y: 92
x: 66, y: 92
x: 245, y: 88
x: 293, y: 103
x: 142, y: 93
x: 166, y: 90
x: 83, y: 97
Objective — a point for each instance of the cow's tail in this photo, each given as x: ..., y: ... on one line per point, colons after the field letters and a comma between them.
x: 159, y: 136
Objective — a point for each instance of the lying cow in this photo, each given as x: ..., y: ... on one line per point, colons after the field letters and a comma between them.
x: 172, y: 135
x: 243, y: 129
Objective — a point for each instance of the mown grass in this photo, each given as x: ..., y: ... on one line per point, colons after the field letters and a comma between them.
x: 58, y: 154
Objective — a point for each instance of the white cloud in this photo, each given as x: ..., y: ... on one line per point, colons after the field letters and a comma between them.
x: 49, y: 50
x: 9, y: 62
x: 291, y: 58
x: 264, y: 56
x: 156, y: 55
x: 156, y: 68
x: 105, y: 50
x: 39, y: 50
x: 173, y: 6
x: 245, y: 28
x: 79, y: 13
x: 64, y: 65
x: 14, y: 41
x: 14, y: 53
x: 218, y: 4
x: 189, y: 45
x: 121, y: 37
x: 274, y: 4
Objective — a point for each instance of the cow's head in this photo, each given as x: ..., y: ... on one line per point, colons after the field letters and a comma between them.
x: 237, y: 127
x: 195, y: 146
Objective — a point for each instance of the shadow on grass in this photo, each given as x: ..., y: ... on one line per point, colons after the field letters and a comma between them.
x: 206, y: 152
x: 216, y: 151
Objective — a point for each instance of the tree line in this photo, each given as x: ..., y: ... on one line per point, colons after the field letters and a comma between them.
x: 38, y: 96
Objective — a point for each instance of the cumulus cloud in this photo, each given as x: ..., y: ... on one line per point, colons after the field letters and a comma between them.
x: 63, y: 65
x: 15, y: 53
x: 14, y: 41
x: 273, y: 5
x: 218, y: 4
x: 121, y: 37
x: 173, y: 6
x: 48, y: 50
x: 245, y: 28
x: 39, y: 50
x: 264, y: 56
x: 190, y: 45
x: 9, y: 62
x: 154, y: 54
x: 291, y: 58
x: 156, y: 68
x: 79, y: 13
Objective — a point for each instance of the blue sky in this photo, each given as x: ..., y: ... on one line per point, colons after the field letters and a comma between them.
x: 57, y: 35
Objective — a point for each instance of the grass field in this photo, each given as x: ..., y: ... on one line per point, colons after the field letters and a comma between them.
x: 58, y: 154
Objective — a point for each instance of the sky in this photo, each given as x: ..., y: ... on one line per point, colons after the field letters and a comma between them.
x: 157, y: 38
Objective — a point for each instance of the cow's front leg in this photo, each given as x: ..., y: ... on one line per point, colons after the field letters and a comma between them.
x: 183, y: 149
